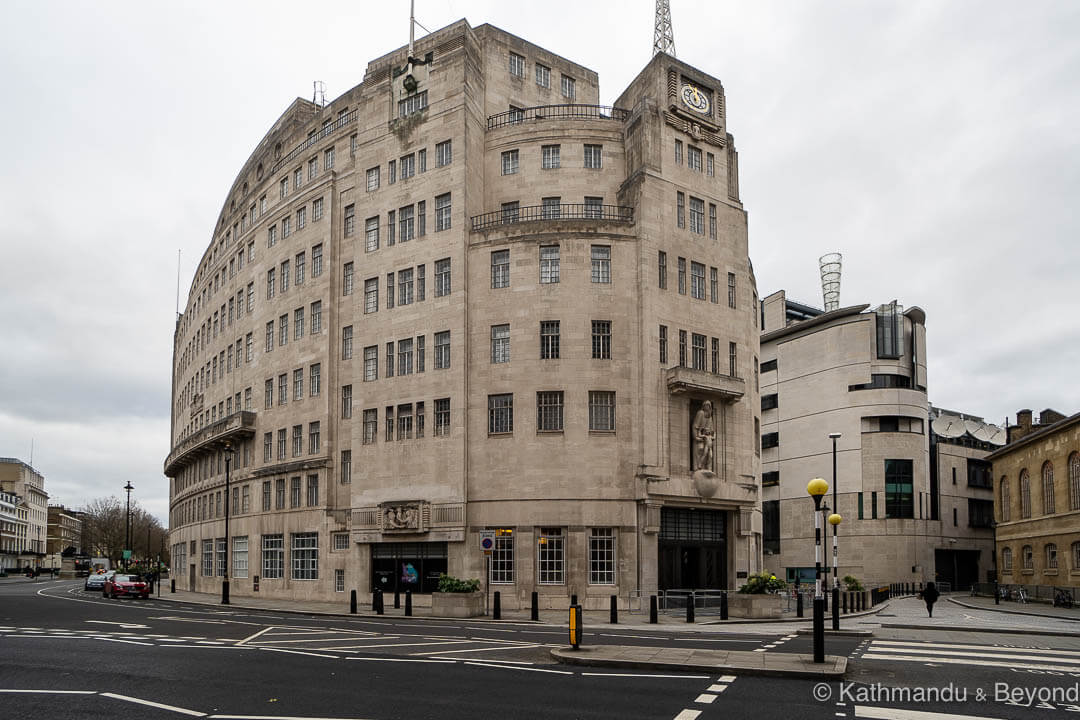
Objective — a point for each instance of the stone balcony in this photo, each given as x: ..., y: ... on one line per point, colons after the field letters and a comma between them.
x: 230, y: 429
x: 727, y: 388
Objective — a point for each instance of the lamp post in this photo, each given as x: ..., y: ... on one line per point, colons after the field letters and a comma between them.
x: 225, y: 580
x: 835, y: 524
x: 817, y: 489
x: 127, y: 523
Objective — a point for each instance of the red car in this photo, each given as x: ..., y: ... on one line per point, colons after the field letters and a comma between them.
x: 126, y: 585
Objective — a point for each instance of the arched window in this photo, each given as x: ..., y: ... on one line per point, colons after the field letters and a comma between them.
x: 1074, y: 481
x: 1048, y: 487
x: 1051, y: 556
x: 1025, y: 494
x: 1006, y: 511
x: 1029, y: 557
x: 1006, y: 559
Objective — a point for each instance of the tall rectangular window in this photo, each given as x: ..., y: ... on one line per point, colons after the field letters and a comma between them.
x: 678, y: 152
x: 500, y: 269
x: 549, y: 156
x: 551, y: 207
x: 442, y: 212
x: 405, y: 287
x: 602, y: 556
x: 500, y: 343
x: 601, y: 339
x: 314, y: 437
x: 442, y: 277
x: 316, y: 260
x: 389, y: 290
x: 405, y: 356
x: 442, y: 350
x: 517, y: 65
x: 406, y: 223
x: 346, y: 342
x: 444, y: 154
x: 316, y: 317
x: 346, y: 467
x: 714, y: 285
x: 568, y: 87
x: 346, y: 402
x: 549, y: 264
x: 682, y: 276
x: 680, y: 209
x: 661, y: 269
x: 390, y: 228
x: 550, y: 556
x: 712, y: 221
x: 899, y: 489
x: 373, y: 179
x: 312, y: 490
x: 698, y: 351
x: 305, y: 556
x: 697, y: 215
x: 602, y: 410
x: 371, y: 295
x: 240, y: 557
x: 549, y: 340
x: 549, y: 411
x: 371, y: 234
x: 502, y: 560
x: 731, y: 289
x: 509, y: 162
x: 663, y: 344
x: 408, y: 166
x: 273, y: 556
x: 697, y: 281
x: 298, y: 323
x: 301, y: 261
x: 371, y: 363
x: 733, y: 359
x: 315, y: 379
x: 693, y: 158
x: 510, y: 211
x: 390, y: 360
x: 682, y: 348
x: 349, y: 225
x: 600, y: 256
x: 421, y: 218
x: 500, y: 413
x: 442, y: 416
x: 371, y: 426
x: 716, y: 356
x: 298, y: 384
x: 594, y: 157
x: 543, y: 78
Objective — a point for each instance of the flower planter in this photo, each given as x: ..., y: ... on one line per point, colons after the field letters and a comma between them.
x: 457, y: 605
x: 745, y: 605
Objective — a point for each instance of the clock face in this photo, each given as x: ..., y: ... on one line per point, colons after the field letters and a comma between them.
x: 695, y: 98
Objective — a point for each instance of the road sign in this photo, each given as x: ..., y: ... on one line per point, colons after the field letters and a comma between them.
x: 487, y: 540
x: 127, y: 554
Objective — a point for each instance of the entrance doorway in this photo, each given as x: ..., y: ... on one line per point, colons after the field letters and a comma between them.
x: 693, y: 549
x: 407, y: 566
x: 191, y: 577
x: 959, y: 568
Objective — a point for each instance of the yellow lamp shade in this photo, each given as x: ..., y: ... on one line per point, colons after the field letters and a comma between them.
x: 817, y: 487
x: 835, y: 519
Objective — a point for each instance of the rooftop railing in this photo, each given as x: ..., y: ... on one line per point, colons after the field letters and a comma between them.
x: 516, y: 116
x: 325, y: 131
x: 565, y: 211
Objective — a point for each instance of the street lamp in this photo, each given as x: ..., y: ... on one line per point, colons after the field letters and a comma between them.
x: 127, y: 523
x: 835, y: 524
x: 817, y: 489
x: 225, y: 580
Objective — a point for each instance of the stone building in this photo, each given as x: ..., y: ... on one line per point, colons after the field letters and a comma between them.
x: 12, y: 531
x: 464, y: 297
x: 1038, y: 533
x: 28, y: 485
x: 64, y: 530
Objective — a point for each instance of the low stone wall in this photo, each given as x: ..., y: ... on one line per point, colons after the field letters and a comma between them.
x: 744, y: 605
x: 457, y: 605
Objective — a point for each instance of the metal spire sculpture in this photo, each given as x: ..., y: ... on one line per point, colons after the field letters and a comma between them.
x: 663, y: 40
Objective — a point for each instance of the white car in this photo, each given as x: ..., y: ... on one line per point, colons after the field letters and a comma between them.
x: 97, y: 580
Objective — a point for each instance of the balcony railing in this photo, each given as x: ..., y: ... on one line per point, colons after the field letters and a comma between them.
x: 517, y: 116
x: 569, y: 211
x: 236, y: 426
x: 314, y: 138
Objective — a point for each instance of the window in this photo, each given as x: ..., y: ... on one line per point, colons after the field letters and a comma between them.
x: 517, y: 65
x: 298, y: 384
x: 697, y: 281
x: 298, y: 323
x: 341, y: 541
x: 772, y: 477
x: 389, y: 414
x: 347, y: 279
x: 405, y: 422
x: 294, y: 491
x: 697, y: 351
x: 500, y: 343
x: 1074, y: 481
x: 373, y: 179
x: 442, y: 350
x: 273, y: 555
x: 389, y: 290
x: 442, y: 212
x: 1025, y: 495
x: 350, y: 220
x: 279, y: 493
x: 442, y: 416
x: 346, y: 401
x: 661, y: 269
x: 283, y: 330
x: 601, y: 339
x: 298, y: 178
x: 305, y: 556
x: 1048, y: 488
x: 314, y: 376
x: 316, y: 260
x: 682, y: 276
x: 731, y: 290
x: 502, y: 560
x: 444, y: 154
x: 550, y: 556
x: 412, y: 104
x: 500, y: 413
x: 285, y: 276
x: 1051, y: 556
x: 316, y: 317
x: 549, y: 156
x: 549, y: 411
x: 297, y: 441
x: 693, y: 158
x: 390, y: 359
x: 733, y: 360
x: 271, y: 284
x: 549, y: 264
x: 602, y: 556
x: 980, y: 513
x: 568, y: 87
x: 371, y: 234
x: 1075, y: 555
x: 312, y: 168
x: 312, y: 490
x: 601, y: 263
x: 509, y: 162
x: 770, y: 402
x: 207, y: 557
x: 899, y: 493
x: 371, y: 426
x: 1029, y: 557
x: 770, y: 440
x: 549, y: 340
x: 678, y: 152
x: 697, y: 215
x: 682, y: 348
x: 710, y: 164
x: 510, y: 212
x: 301, y: 261
x: 286, y: 227
x: 420, y: 283
x: 500, y: 269
x: 602, y: 411
x: 1006, y: 511
x: 421, y: 218
x: 405, y: 287
x: 371, y: 363
x: 371, y: 295
x: 680, y: 209
x: 346, y: 342
x: 405, y: 356
x: 1006, y: 560
x: 271, y: 236
x: 314, y: 437
x: 407, y: 164
x: 543, y: 79
x: 391, y: 172
x: 663, y: 344
x: 250, y: 297
x: 421, y: 160
x: 594, y: 157
x: 268, y: 446
x: 890, y: 331
x: 240, y: 557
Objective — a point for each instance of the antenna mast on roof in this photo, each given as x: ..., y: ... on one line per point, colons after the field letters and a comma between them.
x: 319, y: 96
x: 663, y: 40
x: 412, y: 25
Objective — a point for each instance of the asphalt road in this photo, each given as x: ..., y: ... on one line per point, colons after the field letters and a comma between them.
x: 65, y: 653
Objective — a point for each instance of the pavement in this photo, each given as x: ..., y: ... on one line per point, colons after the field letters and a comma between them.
x: 736, y: 662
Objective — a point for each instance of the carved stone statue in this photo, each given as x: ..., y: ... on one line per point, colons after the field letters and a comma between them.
x: 704, y: 437
x: 401, y: 517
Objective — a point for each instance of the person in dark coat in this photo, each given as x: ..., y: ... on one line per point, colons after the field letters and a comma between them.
x: 930, y: 595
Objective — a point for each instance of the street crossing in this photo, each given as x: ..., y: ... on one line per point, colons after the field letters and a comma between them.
x: 995, y: 656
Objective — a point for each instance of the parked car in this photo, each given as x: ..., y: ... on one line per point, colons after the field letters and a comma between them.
x: 96, y: 581
x: 126, y: 585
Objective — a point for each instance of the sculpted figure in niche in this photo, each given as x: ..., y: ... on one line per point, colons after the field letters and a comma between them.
x: 704, y: 437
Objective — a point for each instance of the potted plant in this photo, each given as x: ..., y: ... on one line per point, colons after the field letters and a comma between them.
x: 457, y: 598
x: 759, y: 597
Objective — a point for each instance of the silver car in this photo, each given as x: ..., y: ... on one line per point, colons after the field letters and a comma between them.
x: 97, y: 581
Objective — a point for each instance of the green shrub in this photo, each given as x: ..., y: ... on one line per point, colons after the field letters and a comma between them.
x: 450, y: 584
x: 853, y: 584
x: 763, y: 583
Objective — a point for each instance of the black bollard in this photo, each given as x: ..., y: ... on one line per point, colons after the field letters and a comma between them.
x: 352, y: 602
x: 798, y: 604
x: 379, y: 599
x: 496, y: 606
x: 690, y: 609
x: 408, y: 603
x: 535, y: 612
x: 844, y: 600
x: 573, y: 599
x: 172, y: 586
x: 614, y: 609
x: 652, y: 609
x: 397, y: 599
x: 997, y: 595
x: 723, y: 605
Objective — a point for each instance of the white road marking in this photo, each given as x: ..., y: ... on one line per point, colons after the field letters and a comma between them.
x: 970, y: 661
x: 759, y: 649
x: 129, y: 642
x: 1016, y: 654
x: 299, y: 652
x: 214, y: 647
x: 717, y: 688
x: 502, y: 647
x: 705, y: 698
x: 416, y: 660
x: 688, y: 715
x: 726, y: 678
x: 52, y: 692
x: 252, y: 637
x: 980, y: 648
x: 162, y: 706
x: 272, y: 717
x: 880, y: 713
x: 643, y: 675
x: 382, y: 645
x: 515, y: 667
x: 126, y: 626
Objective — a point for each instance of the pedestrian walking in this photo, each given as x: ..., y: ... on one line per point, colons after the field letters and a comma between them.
x: 930, y: 595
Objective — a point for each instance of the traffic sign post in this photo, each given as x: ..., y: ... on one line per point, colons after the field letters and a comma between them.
x: 487, y: 543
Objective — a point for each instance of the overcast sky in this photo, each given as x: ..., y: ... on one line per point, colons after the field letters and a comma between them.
x: 935, y: 144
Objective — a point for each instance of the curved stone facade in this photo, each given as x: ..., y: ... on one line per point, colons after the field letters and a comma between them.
x: 492, y: 306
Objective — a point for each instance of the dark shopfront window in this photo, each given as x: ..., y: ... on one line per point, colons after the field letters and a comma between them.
x: 407, y: 566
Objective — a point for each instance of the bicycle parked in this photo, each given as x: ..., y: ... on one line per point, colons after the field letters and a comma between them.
x: 1063, y: 598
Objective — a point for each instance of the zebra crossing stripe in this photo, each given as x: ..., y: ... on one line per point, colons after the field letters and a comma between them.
x: 971, y: 660
x: 980, y: 648
x: 1021, y: 655
x: 883, y: 713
